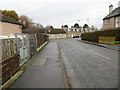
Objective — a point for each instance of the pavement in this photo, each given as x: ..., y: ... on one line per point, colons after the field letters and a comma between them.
x: 88, y: 65
x: 43, y: 71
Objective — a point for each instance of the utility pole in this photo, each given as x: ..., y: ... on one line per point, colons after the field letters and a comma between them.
x: 88, y: 21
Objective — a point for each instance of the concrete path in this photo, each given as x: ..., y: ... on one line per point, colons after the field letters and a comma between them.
x: 43, y: 71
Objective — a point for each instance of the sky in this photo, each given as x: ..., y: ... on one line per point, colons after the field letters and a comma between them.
x: 61, y: 12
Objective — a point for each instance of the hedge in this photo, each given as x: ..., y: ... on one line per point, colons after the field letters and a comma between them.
x: 94, y: 36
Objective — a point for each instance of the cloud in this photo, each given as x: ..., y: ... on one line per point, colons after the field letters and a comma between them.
x: 59, y: 12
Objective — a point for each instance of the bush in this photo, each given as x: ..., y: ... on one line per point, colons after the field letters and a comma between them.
x: 117, y: 37
x: 94, y: 36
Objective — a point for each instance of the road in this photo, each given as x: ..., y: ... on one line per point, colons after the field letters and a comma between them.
x: 89, y: 66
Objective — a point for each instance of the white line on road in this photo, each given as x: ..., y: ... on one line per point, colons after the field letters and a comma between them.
x: 100, y: 55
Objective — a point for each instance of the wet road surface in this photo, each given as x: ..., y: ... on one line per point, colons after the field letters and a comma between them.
x: 89, y: 66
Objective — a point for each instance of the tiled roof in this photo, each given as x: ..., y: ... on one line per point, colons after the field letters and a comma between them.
x: 115, y: 12
x: 48, y: 31
x: 9, y: 20
x: 56, y: 31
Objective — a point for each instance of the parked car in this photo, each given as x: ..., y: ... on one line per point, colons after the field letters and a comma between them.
x: 76, y: 36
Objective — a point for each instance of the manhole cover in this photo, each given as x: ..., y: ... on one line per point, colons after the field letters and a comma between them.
x: 40, y: 61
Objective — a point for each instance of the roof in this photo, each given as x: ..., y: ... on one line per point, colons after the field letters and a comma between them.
x: 56, y: 31
x: 115, y: 12
x: 52, y: 31
x: 9, y: 20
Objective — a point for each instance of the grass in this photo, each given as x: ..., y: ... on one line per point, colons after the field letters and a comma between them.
x: 111, y: 43
x: 106, y: 42
x: 117, y: 42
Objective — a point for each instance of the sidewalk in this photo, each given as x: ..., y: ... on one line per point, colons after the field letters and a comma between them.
x: 43, y: 71
x: 113, y: 47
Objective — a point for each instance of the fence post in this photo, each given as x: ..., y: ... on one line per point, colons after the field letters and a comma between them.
x: 36, y: 41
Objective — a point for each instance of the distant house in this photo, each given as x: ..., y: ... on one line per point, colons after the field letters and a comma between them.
x: 73, y: 31
x: 112, y: 20
x: 9, y: 26
x: 56, y: 34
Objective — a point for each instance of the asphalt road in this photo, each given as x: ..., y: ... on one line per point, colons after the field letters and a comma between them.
x: 89, y: 66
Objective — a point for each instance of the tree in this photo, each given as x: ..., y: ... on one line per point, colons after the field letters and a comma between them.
x: 76, y: 25
x: 72, y: 26
x: 39, y: 25
x: 65, y: 26
x: 10, y: 13
x: 85, y: 26
x: 49, y: 27
x: 25, y: 20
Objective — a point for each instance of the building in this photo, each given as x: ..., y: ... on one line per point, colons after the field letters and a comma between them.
x: 73, y: 29
x: 9, y: 26
x: 56, y: 34
x: 73, y: 32
x: 112, y: 20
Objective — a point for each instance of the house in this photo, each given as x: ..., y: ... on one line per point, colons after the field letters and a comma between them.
x: 9, y: 26
x: 112, y: 20
x: 56, y: 34
x: 73, y: 32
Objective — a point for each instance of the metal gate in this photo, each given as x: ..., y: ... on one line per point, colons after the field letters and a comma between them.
x: 23, y: 47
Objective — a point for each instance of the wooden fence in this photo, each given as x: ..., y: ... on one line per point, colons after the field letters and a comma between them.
x: 8, y: 48
x: 41, y: 39
x: 9, y: 62
x: 107, y: 40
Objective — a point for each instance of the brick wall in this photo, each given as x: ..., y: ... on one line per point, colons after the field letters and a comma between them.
x: 71, y: 34
x: 9, y: 28
x: 111, y: 25
x: 57, y: 36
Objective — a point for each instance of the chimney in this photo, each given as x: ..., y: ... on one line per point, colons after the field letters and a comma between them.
x: 119, y: 4
x: 110, y: 8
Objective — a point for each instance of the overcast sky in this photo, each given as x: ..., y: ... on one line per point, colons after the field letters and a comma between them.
x: 61, y: 12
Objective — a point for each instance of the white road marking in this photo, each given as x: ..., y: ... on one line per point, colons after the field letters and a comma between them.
x: 71, y: 70
x: 100, y: 55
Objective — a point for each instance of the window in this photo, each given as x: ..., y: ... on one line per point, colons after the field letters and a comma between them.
x: 117, y: 21
x: 108, y: 21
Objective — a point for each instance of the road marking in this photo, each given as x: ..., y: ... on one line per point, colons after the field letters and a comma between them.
x: 71, y: 70
x: 101, y: 55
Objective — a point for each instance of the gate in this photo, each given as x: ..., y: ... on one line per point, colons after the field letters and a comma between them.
x: 23, y: 47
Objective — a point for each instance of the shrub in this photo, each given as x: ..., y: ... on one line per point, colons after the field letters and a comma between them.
x: 94, y: 36
x: 117, y: 37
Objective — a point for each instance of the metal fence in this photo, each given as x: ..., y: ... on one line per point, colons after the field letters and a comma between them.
x: 16, y: 51
x: 27, y: 44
